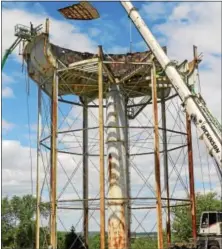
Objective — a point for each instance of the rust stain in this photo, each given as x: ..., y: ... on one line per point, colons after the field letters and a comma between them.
x: 117, y: 221
x: 117, y: 235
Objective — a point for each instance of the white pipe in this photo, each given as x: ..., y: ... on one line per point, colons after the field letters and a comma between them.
x: 117, y: 163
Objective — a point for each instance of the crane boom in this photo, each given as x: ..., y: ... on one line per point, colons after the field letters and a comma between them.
x: 10, y: 50
x: 22, y: 33
x: 207, y: 127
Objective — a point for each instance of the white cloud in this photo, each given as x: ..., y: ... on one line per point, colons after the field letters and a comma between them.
x: 180, y: 39
x: 16, y: 163
x: 94, y: 31
x: 191, y: 24
x: 6, y: 79
x: 6, y: 126
x: 202, y: 20
x: 155, y: 10
x: 7, y: 92
x: 66, y: 36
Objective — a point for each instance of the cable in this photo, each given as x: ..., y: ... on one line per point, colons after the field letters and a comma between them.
x: 198, y: 78
x: 130, y: 49
x: 29, y: 129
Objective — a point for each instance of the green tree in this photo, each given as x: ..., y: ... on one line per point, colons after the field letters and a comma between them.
x: 61, y: 240
x: 8, y: 226
x: 73, y: 241
x: 182, y: 224
x: 94, y: 241
x: 18, y: 223
x: 145, y: 242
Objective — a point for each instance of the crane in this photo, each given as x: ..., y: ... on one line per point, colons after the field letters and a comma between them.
x: 10, y: 50
x: 23, y: 33
x: 209, y: 128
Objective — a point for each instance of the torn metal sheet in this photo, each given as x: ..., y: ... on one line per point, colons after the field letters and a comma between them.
x: 80, y: 11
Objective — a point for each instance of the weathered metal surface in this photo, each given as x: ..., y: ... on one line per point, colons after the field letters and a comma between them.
x: 85, y: 175
x: 53, y: 159
x: 39, y: 131
x: 128, y: 182
x: 191, y: 177
x: 157, y: 160
x: 166, y: 169
x: 117, y: 153
x: 119, y: 67
x: 101, y: 151
x: 80, y: 11
x: 41, y: 57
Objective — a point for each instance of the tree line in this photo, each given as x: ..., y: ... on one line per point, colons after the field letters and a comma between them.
x: 18, y: 225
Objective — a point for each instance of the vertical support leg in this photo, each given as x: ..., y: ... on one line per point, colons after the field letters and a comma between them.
x: 53, y: 180
x: 101, y: 150
x: 166, y: 171
x: 117, y: 152
x: 38, y: 168
x: 128, y: 237
x: 157, y: 159
x: 85, y: 175
x: 191, y: 177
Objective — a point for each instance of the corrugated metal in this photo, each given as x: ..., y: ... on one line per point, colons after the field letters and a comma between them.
x: 80, y: 11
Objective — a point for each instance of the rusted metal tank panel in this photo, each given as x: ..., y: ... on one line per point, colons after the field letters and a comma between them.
x: 40, y: 61
x: 68, y: 56
x: 117, y: 163
x: 80, y: 11
x: 39, y: 54
x: 41, y: 57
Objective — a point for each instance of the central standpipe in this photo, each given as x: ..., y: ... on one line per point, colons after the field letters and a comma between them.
x: 117, y: 169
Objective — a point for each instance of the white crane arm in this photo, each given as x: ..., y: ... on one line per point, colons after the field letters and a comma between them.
x: 199, y: 113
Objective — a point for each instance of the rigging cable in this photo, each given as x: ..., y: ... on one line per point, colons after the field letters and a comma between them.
x: 199, y: 88
x: 198, y: 79
x: 131, y: 43
x: 29, y: 129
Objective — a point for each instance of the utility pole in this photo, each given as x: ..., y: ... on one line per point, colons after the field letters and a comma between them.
x: 157, y: 158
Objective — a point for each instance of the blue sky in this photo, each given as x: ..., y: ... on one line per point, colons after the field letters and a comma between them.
x: 113, y: 32
x: 177, y: 25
